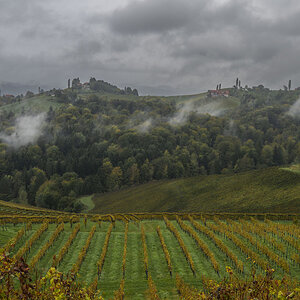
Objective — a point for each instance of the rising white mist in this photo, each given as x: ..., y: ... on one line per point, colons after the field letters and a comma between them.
x: 294, y: 110
x: 230, y: 129
x: 145, y: 126
x: 27, y: 129
x: 214, y: 108
x: 143, y: 122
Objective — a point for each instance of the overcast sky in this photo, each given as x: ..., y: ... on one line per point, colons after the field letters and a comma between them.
x: 157, y: 46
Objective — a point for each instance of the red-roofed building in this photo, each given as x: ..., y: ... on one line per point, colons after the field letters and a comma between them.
x: 217, y: 93
x: 86, y: 86
x: 9, y: 96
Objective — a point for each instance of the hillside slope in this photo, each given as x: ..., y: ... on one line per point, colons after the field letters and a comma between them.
x: 267, y: 190
x: 36, y: 104
x: 42, y: 103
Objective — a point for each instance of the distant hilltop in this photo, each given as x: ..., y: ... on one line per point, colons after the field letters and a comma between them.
x: 100, y: 86
x: 74, y: 84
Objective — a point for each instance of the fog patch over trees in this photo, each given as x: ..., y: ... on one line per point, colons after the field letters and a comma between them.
x: 294, y: 110
x: 141, y: 121
x: 27, y: 130
x: 230, y: 129
x: 212, y: 108
x: 145, y: 126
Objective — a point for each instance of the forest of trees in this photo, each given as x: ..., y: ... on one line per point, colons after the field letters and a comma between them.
x: 96, y: 145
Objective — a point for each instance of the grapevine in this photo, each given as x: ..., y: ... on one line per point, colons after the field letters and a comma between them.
x: 125, y: 250
x: 12, y: 242
x: 218, y: 243
x: 146, y: 263
x: 57, y: 258
x: 200, y: 243
x: 43, y: 250
x: 165, y: 249
x: 101, y: 260
x: 29, y: 243
x: 83, y: 251
x: 181, y: 244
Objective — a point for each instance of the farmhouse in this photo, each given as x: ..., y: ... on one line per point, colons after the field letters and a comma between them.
x: 216, y: 93
x: 86, y: 86
x: 8, y: 96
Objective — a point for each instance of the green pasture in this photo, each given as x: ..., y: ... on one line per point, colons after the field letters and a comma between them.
x: 36, y: 104
x: 259, y: 191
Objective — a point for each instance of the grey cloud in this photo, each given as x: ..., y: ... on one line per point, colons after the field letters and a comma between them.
x: 159, y: 90
x: 19, y: 12
x: 155, y: 16
x: 17, y: 88
x: 86, y: 48
x: 288, y: 25
x: 161, y: 46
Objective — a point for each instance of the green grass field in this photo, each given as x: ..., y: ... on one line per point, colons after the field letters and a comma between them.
x: 267, y: 190
x: 135, y: 276
x: 88, y: 202
x: 36, y: 104
x: 42, y: 103
x: 293, y: 168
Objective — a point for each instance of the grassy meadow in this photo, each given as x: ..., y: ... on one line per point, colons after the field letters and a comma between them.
x: 267, y: 190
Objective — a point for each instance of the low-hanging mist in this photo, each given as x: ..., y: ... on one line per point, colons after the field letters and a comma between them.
x: 27, y: 129
x: 180, y: 117
x: 145, y: 126
x: 214, y: 108
x: 294, y: 110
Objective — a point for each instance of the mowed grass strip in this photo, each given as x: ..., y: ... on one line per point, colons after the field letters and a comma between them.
x: 157, y: 263
x: 252, y: 247
x: 158, y: 268
x: 111, y: 274
x: 235, y: 250
x: 135, y: 278
x: 271, y: 259
x: 28, y: 234
x: 290, y: 250
x: 39, y: 243
x: 202, y: 263
x: 179, y: 263
x: 8, y: 231
x: 46, y: 261
x: 70, y: 258
x: 88, y: 270
x: 294, y: 267
x: 220, y: 256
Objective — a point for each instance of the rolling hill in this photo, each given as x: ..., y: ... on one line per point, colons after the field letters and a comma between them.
x: 266, y: 190
x: 104, y: 143
x: 42, y: 102
x: 36, y: 104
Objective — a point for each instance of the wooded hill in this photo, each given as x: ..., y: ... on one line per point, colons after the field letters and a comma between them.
x: 89, y: 141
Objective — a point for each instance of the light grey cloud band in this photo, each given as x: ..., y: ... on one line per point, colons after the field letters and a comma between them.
x: 158, y: 46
